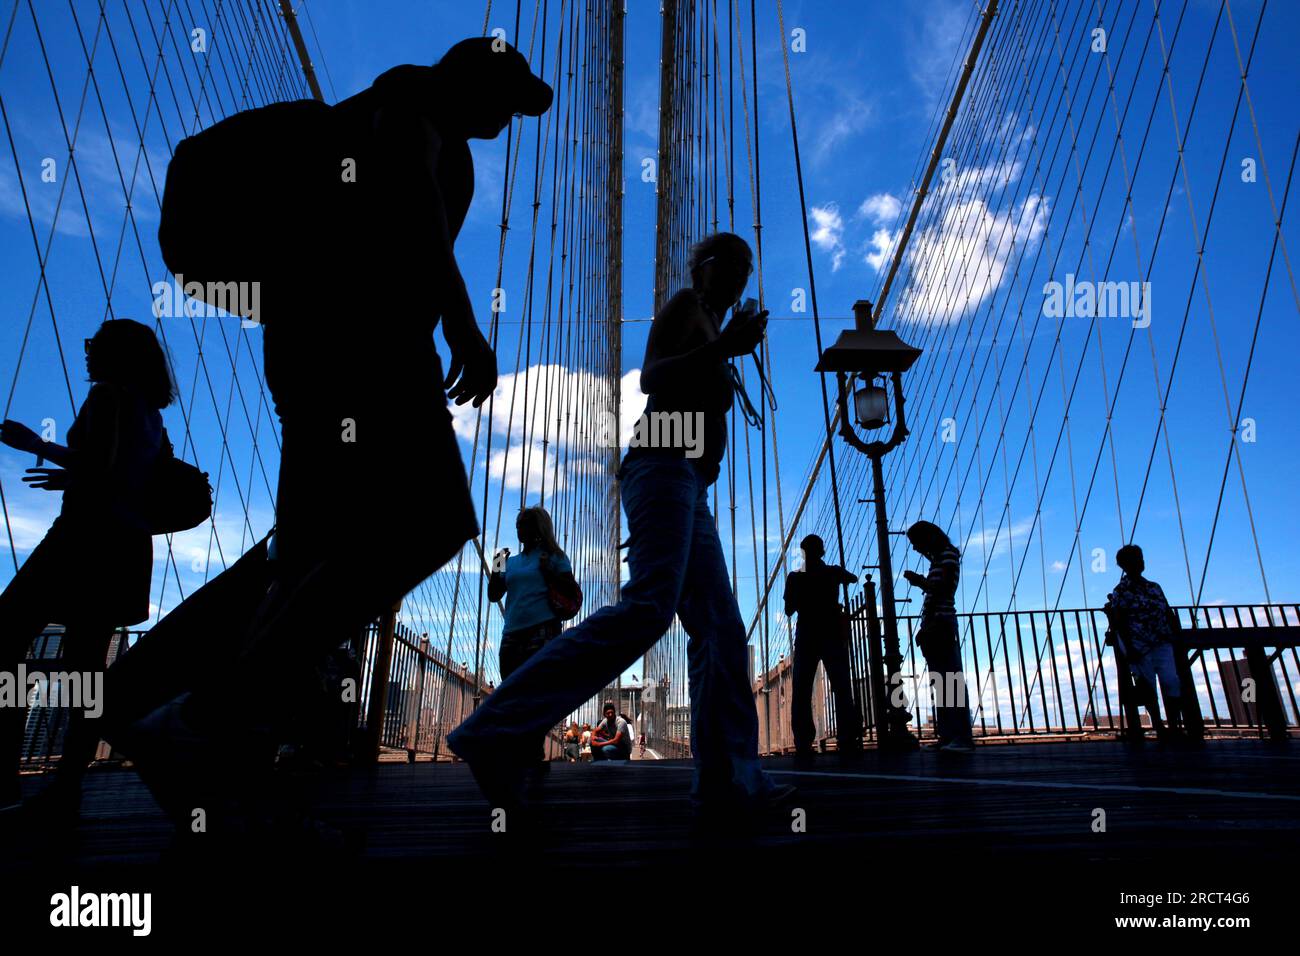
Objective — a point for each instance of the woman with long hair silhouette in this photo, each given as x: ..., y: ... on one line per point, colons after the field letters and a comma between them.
x: 677, y: 566
x: 525, y: 581
x: 92, y: 570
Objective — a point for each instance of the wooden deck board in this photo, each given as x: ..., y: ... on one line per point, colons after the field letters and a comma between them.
x: 981, y: 838
x: 1241, y: 794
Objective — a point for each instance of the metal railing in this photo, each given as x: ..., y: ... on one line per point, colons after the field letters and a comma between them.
x: 1029, y: 675
x: 1048, y: 674
x: 428, y: 695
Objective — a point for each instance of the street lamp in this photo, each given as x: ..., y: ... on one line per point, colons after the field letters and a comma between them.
x: 858, y: 358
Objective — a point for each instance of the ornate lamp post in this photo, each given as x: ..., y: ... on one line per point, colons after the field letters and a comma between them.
x: 859, y: 358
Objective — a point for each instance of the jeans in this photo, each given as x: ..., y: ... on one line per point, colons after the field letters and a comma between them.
x: 942, y: 651
x: 677, y: 567
x: 518, y: 646
x: 610, y: 752
x: 824, y: 643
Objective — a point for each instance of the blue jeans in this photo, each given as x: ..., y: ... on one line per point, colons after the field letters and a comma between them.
x: 677, y: 566
x: 610, y: 752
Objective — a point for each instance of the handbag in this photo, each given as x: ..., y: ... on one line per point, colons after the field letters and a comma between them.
x: 178, y: 495
x: 563, y: 593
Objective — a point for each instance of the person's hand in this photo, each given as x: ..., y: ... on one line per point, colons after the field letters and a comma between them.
x: 742, y: 333
x: 499, y: 560
x: 48, y: 479
x: 913, y: 578
x: 473, y: 374
x: 17, y: 435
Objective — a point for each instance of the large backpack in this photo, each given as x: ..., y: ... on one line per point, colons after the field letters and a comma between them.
x: 241, y: 195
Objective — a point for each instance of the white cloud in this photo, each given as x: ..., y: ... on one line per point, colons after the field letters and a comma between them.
x: 992, y: 542
x: 571, y: 410
x: 935, y: 45
x: 962, y: 259
x: 532, y: 462
x: 828, y: 232
x: 882, y: 208
x: 851, y: 116
x: 880, y: 248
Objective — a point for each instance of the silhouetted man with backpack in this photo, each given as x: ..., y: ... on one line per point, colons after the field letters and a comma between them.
x: 353, y: 250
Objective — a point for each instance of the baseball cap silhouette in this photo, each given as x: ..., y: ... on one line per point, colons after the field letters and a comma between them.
x: 491, y: 67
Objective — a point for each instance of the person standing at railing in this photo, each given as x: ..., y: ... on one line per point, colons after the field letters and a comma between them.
x: 538, y: 587
x: 820, y: 635
x: 1144, y: 622
x: 938, y: 638
x: 529, y: 581
x: 92, y: 570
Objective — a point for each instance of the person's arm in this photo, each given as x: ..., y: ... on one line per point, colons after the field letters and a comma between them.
x: 18, y: 436
x: 496, y: 586
x: 669, y: 362
x: 408, y: 139
x: 96, y: 453
x: 100, y: 419
x: 848, y: 576
x: 791, y: 596
x: 919, y: 581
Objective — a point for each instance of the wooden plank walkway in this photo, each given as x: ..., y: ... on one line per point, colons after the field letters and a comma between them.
x: 1004, y: 837
x: 1007, y: 800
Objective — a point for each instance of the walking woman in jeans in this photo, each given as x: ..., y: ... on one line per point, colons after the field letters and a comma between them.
x: 676, y: 564
x: 523, y: 581
x: 92, y: 570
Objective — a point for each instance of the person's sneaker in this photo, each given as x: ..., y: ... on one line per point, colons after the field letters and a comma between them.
x: 958, y: 747
x: 778, y: 796
x: 502, y: 782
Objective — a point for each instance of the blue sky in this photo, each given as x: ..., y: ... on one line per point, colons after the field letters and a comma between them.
x: 866, y: 93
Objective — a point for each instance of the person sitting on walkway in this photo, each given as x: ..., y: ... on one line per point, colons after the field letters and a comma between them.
x: 1145, y: 623
x: 572, y: 743
x: 612, y: 737
x: 584, y: 751
x: 813, y: 594
x: 937, y: 636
